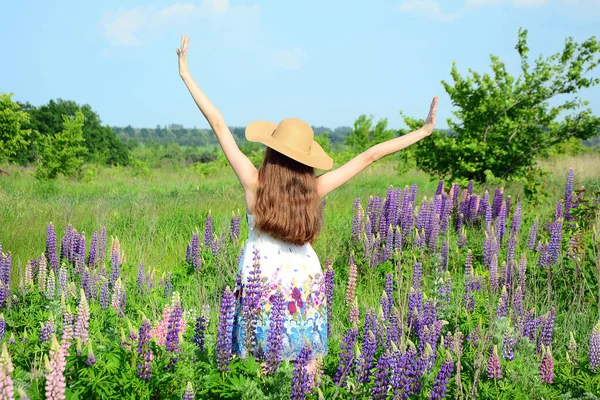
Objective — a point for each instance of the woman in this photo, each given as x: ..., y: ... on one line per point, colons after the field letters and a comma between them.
x: 282, y: 202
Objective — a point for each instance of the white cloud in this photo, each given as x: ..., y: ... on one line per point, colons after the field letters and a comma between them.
x: 290, y: 59
x: 428, y: 8
x: 128, y: 27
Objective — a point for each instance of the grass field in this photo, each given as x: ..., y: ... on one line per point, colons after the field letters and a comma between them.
x: 154, y: 217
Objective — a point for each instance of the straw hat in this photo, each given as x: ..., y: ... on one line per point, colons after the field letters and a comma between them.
x: 292, y: 137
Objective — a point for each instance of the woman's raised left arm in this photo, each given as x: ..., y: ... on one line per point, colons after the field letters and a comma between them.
x: 242, y: 166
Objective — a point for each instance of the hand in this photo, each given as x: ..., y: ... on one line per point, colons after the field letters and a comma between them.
x: 182, y: 55
x: 430, y: 121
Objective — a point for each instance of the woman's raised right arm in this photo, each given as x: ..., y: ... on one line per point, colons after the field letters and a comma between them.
x: 330, y: 181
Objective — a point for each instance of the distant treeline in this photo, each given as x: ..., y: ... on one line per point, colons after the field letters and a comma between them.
x: 194, y: 137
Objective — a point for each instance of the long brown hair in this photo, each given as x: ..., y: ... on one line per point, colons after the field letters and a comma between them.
x: 287, y: 202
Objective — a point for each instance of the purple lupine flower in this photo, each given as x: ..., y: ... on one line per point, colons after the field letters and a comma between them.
x: 438, y: 391
x: 189, y: 394
x: 389, y: 244
x: 462, y: 239
x: 196, y: 260
x: 208, y: 231
x: 408, y: 371
x: 115, y: 262
x: 102, y: 246
x: 225, y: 330
x: 141, y: 278
x: 215, y: 246
x: 517, y: 302
x: 547, y: 366
x: 104, y: 293
x: 173, y: 329
x: 440, y: 188
x: 595, y: 348
x: 6, y: 268
x: 329, y: 284
x: 366, y: 359
x: 469, y: 264
x: 494, y: 274
x: 508, y: 202
x: 2, y: 326
x: 569, y: 195
x: 346, y: 356
x: 544, y: 260
x: 444, y: 254
x: 168, y: 284
x: 516, y: 220
x: 250, y: 302
x: 380, y: 389
x: 145, y: 355
x: 276, y: 332
x: 530, y: 325
x: 547, y: 329
x: 300, y: 376
x: 46, y: 331
x: 494, y: 368
x: 558, y: 211
x: 521, y: 272
x: 199, y: 331
x: 234, y: 228
x: 470, y: 187
x: 3, y: 294
x: 119, y: 298
x: 51, y: 250
x: 389, y: 290
x: 415, y: 304
x: 508, y: 345
x: 91, y: 358
x: 501, y: 222
x: 533, y: 235
x: 417, y: 275
x: 65, y: 244
x: 91, y: 261
x: 555, y: 242
x: 50, y: 285
x: 445, y: 289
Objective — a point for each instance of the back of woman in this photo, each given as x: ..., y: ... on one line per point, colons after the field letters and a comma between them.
x: 280, y: 296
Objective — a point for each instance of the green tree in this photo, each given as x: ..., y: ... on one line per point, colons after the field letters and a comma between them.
x: 14, y: 136
x: 363, y: 135
x: 101, y: 141
x: 64, y: 152
x: 504, y: 124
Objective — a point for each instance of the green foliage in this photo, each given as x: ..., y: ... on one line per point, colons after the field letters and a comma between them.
x: 101, y: 142
x: 503, y: 124
x: 364, y: 135
x: 64, y: 152
x: 14, y: 137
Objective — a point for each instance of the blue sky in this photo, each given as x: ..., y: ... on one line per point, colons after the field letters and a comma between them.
x: 326, y: 62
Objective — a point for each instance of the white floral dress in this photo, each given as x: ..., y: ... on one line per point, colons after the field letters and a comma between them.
x: 295, y: 270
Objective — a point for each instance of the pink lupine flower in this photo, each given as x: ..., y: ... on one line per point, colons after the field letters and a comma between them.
x: 83, y: 318
x: 351, y: 288
x: 6, y: 368
x: 55, y: 379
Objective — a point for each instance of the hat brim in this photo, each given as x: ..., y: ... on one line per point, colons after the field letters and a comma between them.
x: 262, y: 131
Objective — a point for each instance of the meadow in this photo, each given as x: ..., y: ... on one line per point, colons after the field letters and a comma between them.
x: 446, y: 305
